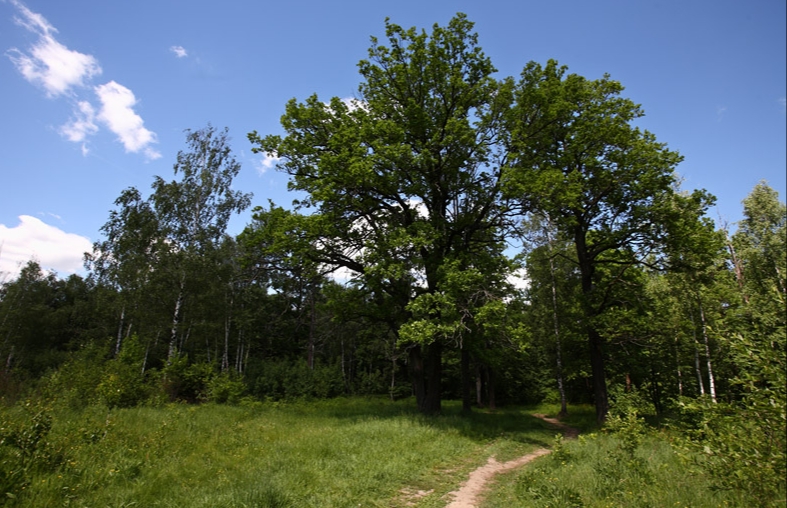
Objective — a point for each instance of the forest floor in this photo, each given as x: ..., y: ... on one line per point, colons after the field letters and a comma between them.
x: 469, y: 494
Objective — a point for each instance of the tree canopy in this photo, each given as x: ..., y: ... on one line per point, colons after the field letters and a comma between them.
x: 393, y: 272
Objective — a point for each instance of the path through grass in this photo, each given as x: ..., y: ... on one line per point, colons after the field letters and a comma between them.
x: 344, y: 452
x: 335, y: 453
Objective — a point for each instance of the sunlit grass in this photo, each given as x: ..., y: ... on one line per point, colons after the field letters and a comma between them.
x: 344, y: 452
x: 339, y: 453
x: 597, y: 471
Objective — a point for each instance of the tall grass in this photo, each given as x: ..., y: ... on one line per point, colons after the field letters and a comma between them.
x: 344, y: 452
x: 332, y: 453
x: 631, y: 466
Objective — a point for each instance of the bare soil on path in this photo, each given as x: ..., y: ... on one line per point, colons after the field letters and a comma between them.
x: 469, y: 494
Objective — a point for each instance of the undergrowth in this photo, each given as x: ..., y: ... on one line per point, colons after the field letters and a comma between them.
x: 627, y: 464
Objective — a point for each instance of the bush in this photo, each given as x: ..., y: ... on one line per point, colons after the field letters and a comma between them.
x: 636, y: 400
x: 283, y: 379
x: 123, y: 384
x: 24, y: 451
x: 187, y: 382
x: 226, y: 389
x: 75, y: 382
x: 743, y: 448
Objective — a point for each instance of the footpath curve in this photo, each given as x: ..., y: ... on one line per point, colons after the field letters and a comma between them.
x: 469, y: 494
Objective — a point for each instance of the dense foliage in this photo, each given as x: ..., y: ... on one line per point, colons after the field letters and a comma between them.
x: 393, y: 274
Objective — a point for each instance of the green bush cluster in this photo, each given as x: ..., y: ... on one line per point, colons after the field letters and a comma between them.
x: 741, y: 447
x: 24, y: 450
x: 282, y: 379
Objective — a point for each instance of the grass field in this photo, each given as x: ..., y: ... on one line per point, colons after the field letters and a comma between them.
x: 334, y: 453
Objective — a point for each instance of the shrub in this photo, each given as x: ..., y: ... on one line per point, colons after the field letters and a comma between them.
x: 226, y: 389
x: 123, y: 384
x: 283, y: 379
x: 74, y: 383
x: 187, y: 382
x: 24, y: 451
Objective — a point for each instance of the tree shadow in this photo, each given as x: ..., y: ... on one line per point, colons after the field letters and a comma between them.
x: 515, y: 423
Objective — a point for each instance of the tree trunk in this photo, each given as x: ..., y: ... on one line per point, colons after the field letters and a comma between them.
x: 586, y: 269
x: 10, y: 359
x: 711, y: 380
x: 736, y: 264
x: 145, y: 359
x: 599, y: 376
x: 490, y: 388
x: 467, y: 403
x: 426, y: 368
x: 173, y: 338
x: 344, y: 367
x: 417, y: 374
x: 225, y: 357
x: 312, y: 327
x: 393, y: 370
x: 433, y: 375
x: 656, y: 390
x: 479, y: 386
x: 239, y: 354
x: 697, y: 367
x: 561, y: 389
x: 119, y: 340
x: 677, y: 363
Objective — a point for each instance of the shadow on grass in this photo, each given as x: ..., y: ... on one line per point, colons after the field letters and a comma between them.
x: 515, y: 423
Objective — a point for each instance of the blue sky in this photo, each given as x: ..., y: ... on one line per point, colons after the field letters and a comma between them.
x: 95, y: 95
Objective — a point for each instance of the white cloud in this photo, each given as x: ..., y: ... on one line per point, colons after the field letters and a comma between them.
x: 720, y: 112
x: 53, y: 248
x: 343, y: 275
x: 82, y: 124
x: 48, y: 63
x: 783, y: 101
x: 179, y: 51
x: 58, y: 69
x: 353, y: 104
x: 117, y: 113
x: 518, y: 279
x: 267, y: 162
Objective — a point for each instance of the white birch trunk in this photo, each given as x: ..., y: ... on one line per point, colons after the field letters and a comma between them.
x: 697, y: 367
x: 558, y: 347
x: 711, y: 380
x: 677, y: 363
x: 173, y: 339
x: 119, y: 341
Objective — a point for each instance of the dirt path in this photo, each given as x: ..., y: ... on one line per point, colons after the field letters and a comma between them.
x: 470, y: 492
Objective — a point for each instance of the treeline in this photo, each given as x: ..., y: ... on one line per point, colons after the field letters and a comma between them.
x: 392, y: 273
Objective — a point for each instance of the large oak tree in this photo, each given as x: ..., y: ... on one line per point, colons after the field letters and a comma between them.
x: 405, y: 179
x: 609, y: 186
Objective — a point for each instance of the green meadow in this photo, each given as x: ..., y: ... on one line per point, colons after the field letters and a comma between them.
x: 331, y: 453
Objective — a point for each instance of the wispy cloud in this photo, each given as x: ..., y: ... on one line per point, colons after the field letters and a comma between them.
x: 117, y: 113
x: 783, y: 102
x: 82, y: 124
x: 179, y: 51
x: 267, y: 162
x: 48, y: 63
x: 32, y: 238
x: 61, y: 71
x: 720, y: 112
